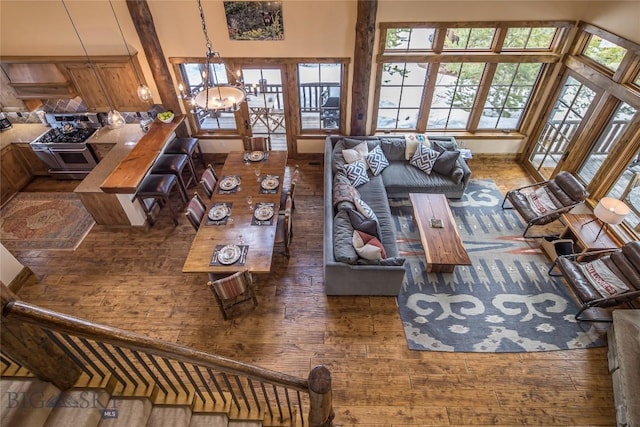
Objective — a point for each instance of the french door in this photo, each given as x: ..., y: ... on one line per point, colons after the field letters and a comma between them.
x: 573, y: 104
x: 266, y: 104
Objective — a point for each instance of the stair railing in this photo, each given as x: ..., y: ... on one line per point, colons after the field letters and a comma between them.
x: 136, y: 365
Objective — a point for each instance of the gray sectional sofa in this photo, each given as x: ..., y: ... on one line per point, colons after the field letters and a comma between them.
x: 345, y: 273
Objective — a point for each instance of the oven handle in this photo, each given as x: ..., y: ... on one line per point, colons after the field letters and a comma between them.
x: 67, y: 150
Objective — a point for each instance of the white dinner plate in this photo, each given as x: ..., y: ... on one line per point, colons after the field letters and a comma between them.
x: 256, y: 156
x: 229, y: 182
x: 270, y: 183
x: 218, y: 212
x: 263, y: 212
x: 229, y: 254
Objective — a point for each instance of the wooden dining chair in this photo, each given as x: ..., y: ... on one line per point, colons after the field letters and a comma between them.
x: 195, y: 211
x: 284, y: 229
x: 289, y: 187
x: 257, y: 143
x: 233, y: 290
x: 208, y: 180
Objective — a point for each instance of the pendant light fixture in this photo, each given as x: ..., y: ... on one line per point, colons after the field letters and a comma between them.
x: 114, y: 118
x: 144, y: 93
x: 217, y: 97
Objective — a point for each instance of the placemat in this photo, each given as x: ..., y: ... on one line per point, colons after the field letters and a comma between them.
x: 256, y: 221
x: 243, y: 255
x: 222, y: 221
x: 233, y: 190
x: 270, y: 190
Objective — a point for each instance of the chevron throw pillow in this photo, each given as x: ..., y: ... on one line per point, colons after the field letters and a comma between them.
x: 424, y: 158
x: 376, y: 160
x: 357, y: 172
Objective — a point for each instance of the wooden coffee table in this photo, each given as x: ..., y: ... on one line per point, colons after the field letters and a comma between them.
x: 443, y: 248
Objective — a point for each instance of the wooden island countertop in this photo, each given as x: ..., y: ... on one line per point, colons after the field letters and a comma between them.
x: 126, y: 177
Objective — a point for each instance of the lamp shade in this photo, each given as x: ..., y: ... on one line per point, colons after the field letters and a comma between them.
x: 220, y: 98
x: 611, y: 211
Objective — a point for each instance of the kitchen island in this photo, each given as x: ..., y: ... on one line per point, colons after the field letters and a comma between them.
x: 108, y: 191
x: 107, y: 209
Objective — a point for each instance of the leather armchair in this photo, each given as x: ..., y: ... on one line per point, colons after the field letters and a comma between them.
x: 624, y: 263
x: 564, y: 191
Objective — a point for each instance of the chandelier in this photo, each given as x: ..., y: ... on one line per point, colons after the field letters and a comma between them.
x: 216, y: 96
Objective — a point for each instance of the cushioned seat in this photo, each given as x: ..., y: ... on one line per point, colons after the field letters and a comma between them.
x: 552, y: 198
x: 175, y: 164
x: 615, y: 267
x: 154, y: 191
x: 187, y: 146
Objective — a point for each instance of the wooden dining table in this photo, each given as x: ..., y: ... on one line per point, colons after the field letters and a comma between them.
x: 238, y: 228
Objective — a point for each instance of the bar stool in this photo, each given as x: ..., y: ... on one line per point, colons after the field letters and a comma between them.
x: 186, y: 146
x: 154, y: 190
x: 175, y: 164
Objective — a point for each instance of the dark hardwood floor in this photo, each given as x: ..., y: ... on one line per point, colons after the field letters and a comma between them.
x: 132, y: 279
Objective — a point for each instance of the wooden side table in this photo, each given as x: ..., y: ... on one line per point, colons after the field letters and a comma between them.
x: 579, y: 227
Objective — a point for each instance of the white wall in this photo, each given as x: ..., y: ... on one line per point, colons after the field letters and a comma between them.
x: 10, y: 267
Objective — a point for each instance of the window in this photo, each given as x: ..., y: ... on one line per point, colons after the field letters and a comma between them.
x: 319, y: 93
x: 454, y: 94
x: 529, y: 38
x: 435, y: 76
x: 400, y: 95
x: 627, y: 189
x: 604, y: 52
x: 469, y: 38
x: 193, y: 75
x: 606, y: 141
x: 509, y: 95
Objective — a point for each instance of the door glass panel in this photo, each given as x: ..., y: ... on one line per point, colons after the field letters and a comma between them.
x: 319, y: 95
x: 566, y: 116
x: 606, y: 141
x: 266, y: 104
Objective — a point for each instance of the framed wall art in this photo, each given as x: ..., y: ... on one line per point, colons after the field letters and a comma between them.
x: 254, y: 20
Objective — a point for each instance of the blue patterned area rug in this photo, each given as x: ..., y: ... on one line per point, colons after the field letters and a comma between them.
x: 504, y: 302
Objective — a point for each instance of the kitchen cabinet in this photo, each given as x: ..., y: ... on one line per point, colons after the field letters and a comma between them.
x: 107, y: 81
x: 101, y: 149
x: 14, y: 174
x: 85, y: 80
x: 38, y: 81
x: 30, y: 160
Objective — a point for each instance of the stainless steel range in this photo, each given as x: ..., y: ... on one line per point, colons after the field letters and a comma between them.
x: 63, y: 147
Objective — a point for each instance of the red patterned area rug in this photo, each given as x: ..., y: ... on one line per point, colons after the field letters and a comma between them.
x: 44, y: 221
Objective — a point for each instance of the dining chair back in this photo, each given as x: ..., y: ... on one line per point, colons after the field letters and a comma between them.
x: 284, y: 229
x: 208, y: 180
x: 257, y: 143
x: 289, y: 187
x: 196, y: 210
x: 233, y: 290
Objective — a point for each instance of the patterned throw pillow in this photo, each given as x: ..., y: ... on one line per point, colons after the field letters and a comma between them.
x: 411, y: 144
x: 360, y: 151
x: 376, y: 160
x: 357, y: 172
x: 364, y: 208
x: 368, y: 246
x: 424, y: 158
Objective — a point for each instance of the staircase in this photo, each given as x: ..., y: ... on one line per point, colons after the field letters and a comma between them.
x: 57, y: 370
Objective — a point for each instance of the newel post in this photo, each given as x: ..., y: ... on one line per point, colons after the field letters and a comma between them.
x: 321, y: 406
x: 31, y: 347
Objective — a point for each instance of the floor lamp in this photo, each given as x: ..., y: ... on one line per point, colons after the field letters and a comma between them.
x: 609, y: 211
